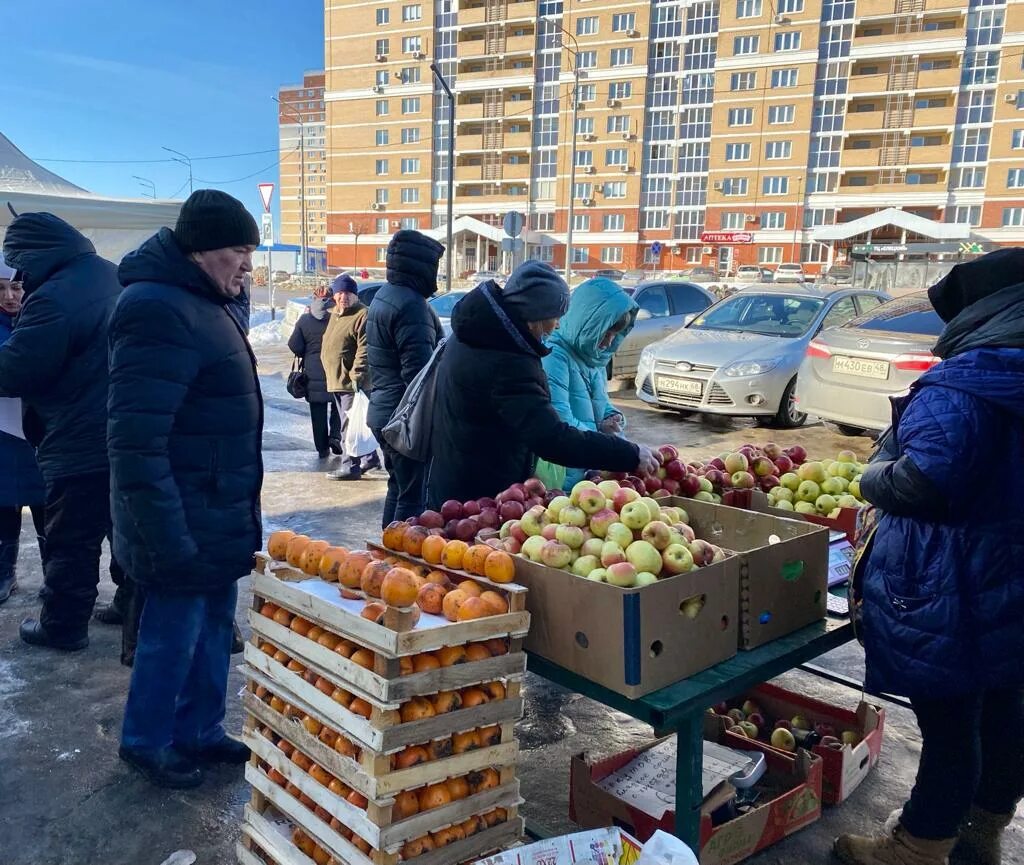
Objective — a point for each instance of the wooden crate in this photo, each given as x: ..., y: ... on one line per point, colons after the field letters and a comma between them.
x: 322, y: 604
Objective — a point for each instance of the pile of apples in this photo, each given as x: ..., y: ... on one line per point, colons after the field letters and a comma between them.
x: 607, y: 532
x: 463, y: 521
x: 822, y: 488
x: 751, y: 722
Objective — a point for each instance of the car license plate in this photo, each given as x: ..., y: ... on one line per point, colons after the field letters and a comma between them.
x: 860, y: 366
x: 685, y: 386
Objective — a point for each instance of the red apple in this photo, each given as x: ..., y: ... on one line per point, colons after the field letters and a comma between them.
x: 768, y: 483
x: 797, y: 454
x: 466, y: 529
x: 487, y: 502
x: 762, y: 467
x: 450, y: 527
x: 671, y: 486
x: 783, y: 464
x: 516, y: 531
x: 413, y: 521
x: 783, y: 724
x: 689, y: 486
x: 512, y: 494
x: 451, y: 510
x: 675, y: 470
x: 511, y: 511
x: 652, y: 484
x: 432, y: 520
x: 534, y: 487
x: 668, y: 453
x: 533, y: 501
x: 717, y: 463
x: 470, y: 508
x: 489, y: 518
x: 716, y: 477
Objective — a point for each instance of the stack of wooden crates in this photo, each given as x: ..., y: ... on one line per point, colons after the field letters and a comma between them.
x: 374, y: 745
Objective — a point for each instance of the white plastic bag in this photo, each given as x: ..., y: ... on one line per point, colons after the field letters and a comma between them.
x: 359, y: 440
x: 664, y: 849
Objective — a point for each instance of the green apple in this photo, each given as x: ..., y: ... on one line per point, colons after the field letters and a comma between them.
x: 808, y: 491
x: 784, y: 505
x: 584, y: 565
x: 782, y: 494
x: 556, y: 505
x: 832, y: 486
x: 854, y: 488
x: 619, y: 534
x: 574, y: 495
x: 848, y: 501
x: 645, y: 578
x: 653, y: 507
x: 811, y: 472
x: 598, y: 575
x: 644, y: 556
x: 635, y: 515
x: 805, y: 508
x: 783, y: 739
x: 790, y: 480
x: 825, y: 504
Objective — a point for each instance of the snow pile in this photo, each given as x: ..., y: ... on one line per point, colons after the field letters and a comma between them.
x: 266, y: 333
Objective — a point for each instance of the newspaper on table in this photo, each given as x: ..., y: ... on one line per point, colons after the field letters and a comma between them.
x: 609, y: 846
x: 648, y: 782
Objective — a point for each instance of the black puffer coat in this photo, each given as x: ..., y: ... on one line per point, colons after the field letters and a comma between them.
x: 56, y: 359
x: 492, y: 410
x: 402, y: 330
x: 305, y: 343
x: 186, y: 421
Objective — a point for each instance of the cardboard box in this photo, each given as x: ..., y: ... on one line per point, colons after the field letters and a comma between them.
x: 782, y: 584
x: 842, y: 770
x: 756, y: 500
x: 796, y: 778
x: 632, y: 641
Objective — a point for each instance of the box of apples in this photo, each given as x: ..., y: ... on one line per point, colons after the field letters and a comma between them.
x: 849, y: 742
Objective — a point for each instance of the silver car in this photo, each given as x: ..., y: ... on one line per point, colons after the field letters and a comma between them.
x: 849, y: 373
x: 664, y: 306
x: 741, y: 356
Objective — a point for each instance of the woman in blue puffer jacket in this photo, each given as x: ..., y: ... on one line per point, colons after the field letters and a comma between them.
x: 600, y: 316
x: 943, y: 582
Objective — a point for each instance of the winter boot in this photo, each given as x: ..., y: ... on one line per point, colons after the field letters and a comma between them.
x: 237, y: 641
x: 980, y: 838
x: 8, y: 568
x: 896, y: 847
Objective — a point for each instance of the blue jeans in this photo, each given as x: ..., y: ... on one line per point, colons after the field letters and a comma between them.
x: 180, y: 678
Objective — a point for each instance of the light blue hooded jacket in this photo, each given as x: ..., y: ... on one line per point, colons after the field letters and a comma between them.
x: 577, y: 368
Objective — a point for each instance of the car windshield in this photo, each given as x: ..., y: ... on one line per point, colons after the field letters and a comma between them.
x: 444, y: 303
x: 766, y: 314
x: 910, y: 314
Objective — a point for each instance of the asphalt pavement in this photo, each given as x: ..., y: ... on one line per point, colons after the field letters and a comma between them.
x: 65, y: 798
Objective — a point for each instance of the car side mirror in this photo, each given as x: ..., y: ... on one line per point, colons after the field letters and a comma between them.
x: 644, y: 315
x: 688, y: 319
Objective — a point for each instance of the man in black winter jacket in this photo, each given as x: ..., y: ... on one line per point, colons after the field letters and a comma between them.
x: 56, y: 362
x: 402, y: 331
x: 184, y: 438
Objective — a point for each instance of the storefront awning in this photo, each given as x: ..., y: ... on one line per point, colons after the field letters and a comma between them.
x: 893, y: 216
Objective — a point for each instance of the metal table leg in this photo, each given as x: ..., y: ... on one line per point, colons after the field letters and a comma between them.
x: 689, y: 788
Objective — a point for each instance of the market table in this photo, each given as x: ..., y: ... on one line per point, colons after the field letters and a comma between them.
x: 680, y: 708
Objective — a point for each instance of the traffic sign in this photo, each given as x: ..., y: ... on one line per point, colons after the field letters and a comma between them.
x: 266, y: 193
x: 514, y: 223
x: 510, y: 244
x: 656, y: 248
x: 727, y: 237
x: 971, y: 248
x: 267, y: 229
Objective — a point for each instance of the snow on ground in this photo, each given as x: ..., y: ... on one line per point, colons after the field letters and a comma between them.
x: 262, y: 330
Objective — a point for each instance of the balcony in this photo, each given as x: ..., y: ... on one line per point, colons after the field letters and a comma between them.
x: 866, y: 157
x: 472, y: 17
x: 471, y: 174
x: 920, y: 189
x: 514, y: 10
x: 474, y: 49
x: 510, y: 141
x: 518, y: 172
x: 467, y: 111
x: 938, y: 78
x: 934, y: 154
x: 485, y: 75
x: 925, y: 118
x: 860, y: 121
x: 880, y: 8
x: 463, y: 197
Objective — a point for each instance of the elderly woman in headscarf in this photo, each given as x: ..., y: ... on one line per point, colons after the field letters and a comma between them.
x: 21, y: 484
x: 493, y: 416
x: 600, y: 316
x: 305, y: 343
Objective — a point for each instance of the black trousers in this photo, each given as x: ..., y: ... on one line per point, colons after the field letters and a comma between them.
x: 406, y: 484
x: 77, y: 520
x: 972, y: 753
x: 326, y: 423
x: 10, y: 522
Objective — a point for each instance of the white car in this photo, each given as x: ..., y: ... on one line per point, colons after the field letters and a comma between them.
x: 790, y: 273
x: 753, y: 273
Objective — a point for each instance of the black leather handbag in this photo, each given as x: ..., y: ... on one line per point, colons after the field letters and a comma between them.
x: 298, y: 381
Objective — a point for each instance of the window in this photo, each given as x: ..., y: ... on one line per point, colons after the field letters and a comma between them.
x: 611, y: 255
x: 734, y: 219
x: 580, y: 254
x: 382, y: 254
x: 587, y: 92
x: 774, y: 185
x: 410, y: 195
x: 1015, y: 178
x: 410, y: 135
x: 412, y: 13
x: 381, y: 195
x: 737, y: 152
x: 581, y: 222
x: 1019, y: 104
x: 381, y: 167
x: 622, y: 56
x: 381, y: 107
x: 410, y: 74
x: 382, y: 225
x: 409, y: 223
x: 787, y: 41
x: 380, y: 77
x: 930, y: 102
x: 542, y: 221
x: 748, y: 8
x: 964, y: 215
x: 789, y: 7
x: 584, y: 125
x: 584, y: 190
x: 586, y: 26
x: 654, y: 300
x: 382, y: 137
x: 1013, y: 217
x: 841, y: 313
x: 784, y: 77
x: 383, y: 17
x: 915, y: 178
x: 623, y: 21
x: 411, y: 44
x: 584, y: 157
x: 686, y: 299
x: 620, y: 123
x: 780, y: 114
x: 614, y: 222
x: 773, y: 219
x: 746, y: 44
x: 655, y: 219
x: 734, y: 186
x: 620, y: 90
x: 1017, y: 139
x: 925, y: 140
x: 743, y: 81
x: 856, y: 180
x: 586, y: 60
x: 382, y: 46
x: 741, y: 116
x: 769, y: 255
x: 411, y: 105
x: 778, y: 149
x: 410, y: 166
x: 617, y: 189
x: 616, y: 156
x: 968, y: 178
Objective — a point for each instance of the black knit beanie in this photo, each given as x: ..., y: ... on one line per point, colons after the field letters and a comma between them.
x: 211, y: 219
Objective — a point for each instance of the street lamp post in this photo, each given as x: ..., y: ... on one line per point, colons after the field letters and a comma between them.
x: 147, y: 183
x: 302, y: 179
x: 572, y: 155
x: 450, y: 251
x: 797, y: 215
x: 185, y: 160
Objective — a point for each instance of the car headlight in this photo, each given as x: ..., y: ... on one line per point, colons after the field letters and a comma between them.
x: 744, y: 368
x: 647, y: 358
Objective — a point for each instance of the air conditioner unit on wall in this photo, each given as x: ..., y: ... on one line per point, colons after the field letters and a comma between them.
x: 614, y: 103
x: 624, y: 168
x: 633, y: 33
x: 589, y: 136
x: 395, y: 223
x: 377, y: 88
x: 628, y: 136
x: 418, y: 55
x: 708, y: 250
x: 718, y: 186
x: 1010, y: 97
x: 781, y: 19
x: 750, y: 217
x: 587, y: 202
x: 589, y: 169
x: 380, y: 58
x: 376, y: 206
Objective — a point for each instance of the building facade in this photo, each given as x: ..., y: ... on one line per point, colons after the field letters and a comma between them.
x: 303, y: 147
x: 718, y: 132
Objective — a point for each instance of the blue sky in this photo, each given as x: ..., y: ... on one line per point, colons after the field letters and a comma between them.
x: 118, y: 79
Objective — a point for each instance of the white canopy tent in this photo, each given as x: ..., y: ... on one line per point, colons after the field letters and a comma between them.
x: 114, y: 225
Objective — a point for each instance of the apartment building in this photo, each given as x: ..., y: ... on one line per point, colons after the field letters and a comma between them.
x: 303, y: 167
x: 716, y: 131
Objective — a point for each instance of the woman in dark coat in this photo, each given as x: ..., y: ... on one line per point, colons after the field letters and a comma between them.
x: 21, y: 484
x: 493, y: 415
x: 305, y: 343
x: 941, y: 581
